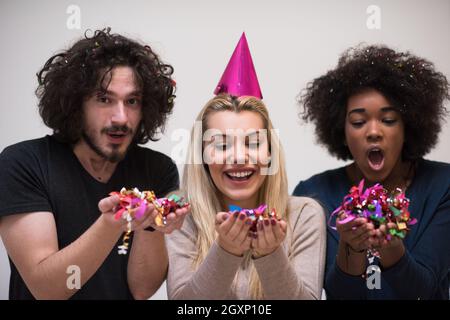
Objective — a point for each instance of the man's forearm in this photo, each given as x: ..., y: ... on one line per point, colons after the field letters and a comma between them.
x: 88, y: 252
x: 147, y: 266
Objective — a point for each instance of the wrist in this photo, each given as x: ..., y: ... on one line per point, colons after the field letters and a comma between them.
x: 256, y: 254
x: 389, y: 256
x: 150, y: 229
x: 109, y: 224
x: 351, y: 250
x: 143, y: 235
x: 232, y: 251
x: 352, y: 263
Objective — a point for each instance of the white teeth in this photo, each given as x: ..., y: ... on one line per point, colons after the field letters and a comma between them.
x: 240, y: 174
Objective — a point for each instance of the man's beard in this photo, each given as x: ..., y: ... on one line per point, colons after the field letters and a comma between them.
x: 115, y: 155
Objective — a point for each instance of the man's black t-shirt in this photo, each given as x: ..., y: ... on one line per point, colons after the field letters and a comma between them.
x: 45, y: 175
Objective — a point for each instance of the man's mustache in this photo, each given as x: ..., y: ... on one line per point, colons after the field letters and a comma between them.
x: 117, y: 129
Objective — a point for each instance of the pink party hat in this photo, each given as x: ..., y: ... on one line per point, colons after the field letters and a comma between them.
x: 239, y: 78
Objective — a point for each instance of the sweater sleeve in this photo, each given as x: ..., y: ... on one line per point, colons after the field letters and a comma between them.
x: 211, y: 280
x: 342, y: 286
x: 298, y: 272
x: 424, y: 267
x: 417, y: 275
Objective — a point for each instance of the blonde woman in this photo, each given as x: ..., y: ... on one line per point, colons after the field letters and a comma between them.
x: 214, y: 255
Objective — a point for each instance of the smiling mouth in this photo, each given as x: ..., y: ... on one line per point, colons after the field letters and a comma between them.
x: 375, y: 158
x: 243, y: 175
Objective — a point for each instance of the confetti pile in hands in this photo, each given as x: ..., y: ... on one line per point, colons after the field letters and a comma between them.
x: 133, y: 204
x: 378, y: 207
x: 255, y: 215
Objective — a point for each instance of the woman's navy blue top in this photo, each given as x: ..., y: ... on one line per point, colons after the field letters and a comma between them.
x: 423, y: 271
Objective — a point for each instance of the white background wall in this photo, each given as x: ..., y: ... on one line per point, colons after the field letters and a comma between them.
x: 292, y: 42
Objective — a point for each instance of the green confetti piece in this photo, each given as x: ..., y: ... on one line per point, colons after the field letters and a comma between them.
x: 395, y: 211
x: 174, y: 197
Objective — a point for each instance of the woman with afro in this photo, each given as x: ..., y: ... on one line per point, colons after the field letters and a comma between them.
x: 383, y: 111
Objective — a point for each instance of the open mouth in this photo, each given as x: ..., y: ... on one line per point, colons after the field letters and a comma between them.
x: 239, y: 175
x: 117, y: 137
x: 375, y: 158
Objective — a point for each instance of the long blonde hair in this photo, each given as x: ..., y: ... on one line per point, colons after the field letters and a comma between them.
x: 204, y: 197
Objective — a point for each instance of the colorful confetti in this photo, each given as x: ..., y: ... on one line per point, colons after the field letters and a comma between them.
x: 133, y: 203
x: 255, y: 215
x: 378, y: 207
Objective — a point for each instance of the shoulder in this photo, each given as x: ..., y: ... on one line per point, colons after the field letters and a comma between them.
x: 298, y: 203
x: 28, y: 147
x: 435, y: 168
x: 24, y: 177
x: 433, y: 177
x: 320, y: 182
x: 432, y: 182
x: 305, y: 209
x: 306, y: 221
x: 27, y: 154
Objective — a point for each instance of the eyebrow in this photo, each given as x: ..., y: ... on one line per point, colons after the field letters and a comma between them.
x: 254, y: 133
x: 111, y: 93
x: 363, y: 110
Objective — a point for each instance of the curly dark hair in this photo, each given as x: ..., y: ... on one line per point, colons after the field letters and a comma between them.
x: 69, y: 77
x: 410, y: 83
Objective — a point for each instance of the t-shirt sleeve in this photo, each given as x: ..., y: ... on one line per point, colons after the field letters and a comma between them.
x: 22, y: 187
